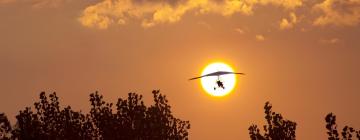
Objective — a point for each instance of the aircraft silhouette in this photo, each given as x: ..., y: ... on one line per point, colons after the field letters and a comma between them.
x: 219, y: 83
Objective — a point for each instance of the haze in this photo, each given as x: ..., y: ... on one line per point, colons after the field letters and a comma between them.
x: 302, y: 56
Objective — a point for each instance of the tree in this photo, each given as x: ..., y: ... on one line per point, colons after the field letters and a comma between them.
x: 131, y: 119
x: 5, y: 127
x: 49, y: 121
x: 347, y: 132
x: 277, y: 127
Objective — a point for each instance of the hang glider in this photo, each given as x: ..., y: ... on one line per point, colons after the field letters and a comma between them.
x: 218, y: 73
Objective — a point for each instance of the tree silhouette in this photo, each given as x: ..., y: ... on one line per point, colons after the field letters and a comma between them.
x: 277, y: 127
x: 133, y: 120
x: 347, y: 132
x: 130, y: 120
x: 5, y: 128
x: 50, y: 122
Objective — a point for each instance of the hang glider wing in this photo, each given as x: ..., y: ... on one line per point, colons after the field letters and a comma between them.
x: 216, y: 74
x: 211, y: 74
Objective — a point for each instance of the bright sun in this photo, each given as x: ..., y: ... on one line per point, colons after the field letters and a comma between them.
x: 208, y: 83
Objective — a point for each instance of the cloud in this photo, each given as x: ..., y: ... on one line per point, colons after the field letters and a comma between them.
x: 37, y: 3
x: 47, y: 3
x: 330, y: 41
x: 338, y: 12
x: 205, y: 24
x: 6, y: 1
x: 240, y: 31
x: 288, y: 23
x: 260, y: 37
x: 150, y: 13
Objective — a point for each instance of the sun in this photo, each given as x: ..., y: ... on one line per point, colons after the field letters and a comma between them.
x: 208, y: 83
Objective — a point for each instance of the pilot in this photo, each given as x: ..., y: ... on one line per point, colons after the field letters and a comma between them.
x: 220, y: 84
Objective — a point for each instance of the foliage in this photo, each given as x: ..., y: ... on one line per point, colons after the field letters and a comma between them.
x: 5, y: 127
x: 130, y: 120
x: 277, y: 127
x: 347, y: 133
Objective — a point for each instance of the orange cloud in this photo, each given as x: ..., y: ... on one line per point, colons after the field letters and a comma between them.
x: 6, y: 1
x: 260, y: 37
x: 338, y: 12
x: 47, y: 3
x: 288, y: 23
x: 37, y: 3
x: 105, y: 13
x: 330, y: 41
x: 239, y: 30
x: 205, y: 24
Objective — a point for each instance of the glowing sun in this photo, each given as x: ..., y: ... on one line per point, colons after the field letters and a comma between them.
x: 209, y: 83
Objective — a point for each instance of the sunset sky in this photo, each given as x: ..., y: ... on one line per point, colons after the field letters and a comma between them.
x: 301, y: 55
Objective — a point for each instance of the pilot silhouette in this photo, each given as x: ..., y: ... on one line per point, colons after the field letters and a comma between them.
x: 219, y: 84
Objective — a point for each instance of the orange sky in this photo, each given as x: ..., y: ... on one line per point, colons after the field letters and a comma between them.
x: 301, y: 55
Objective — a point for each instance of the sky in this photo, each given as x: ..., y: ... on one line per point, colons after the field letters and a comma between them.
x: 301, y: 55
